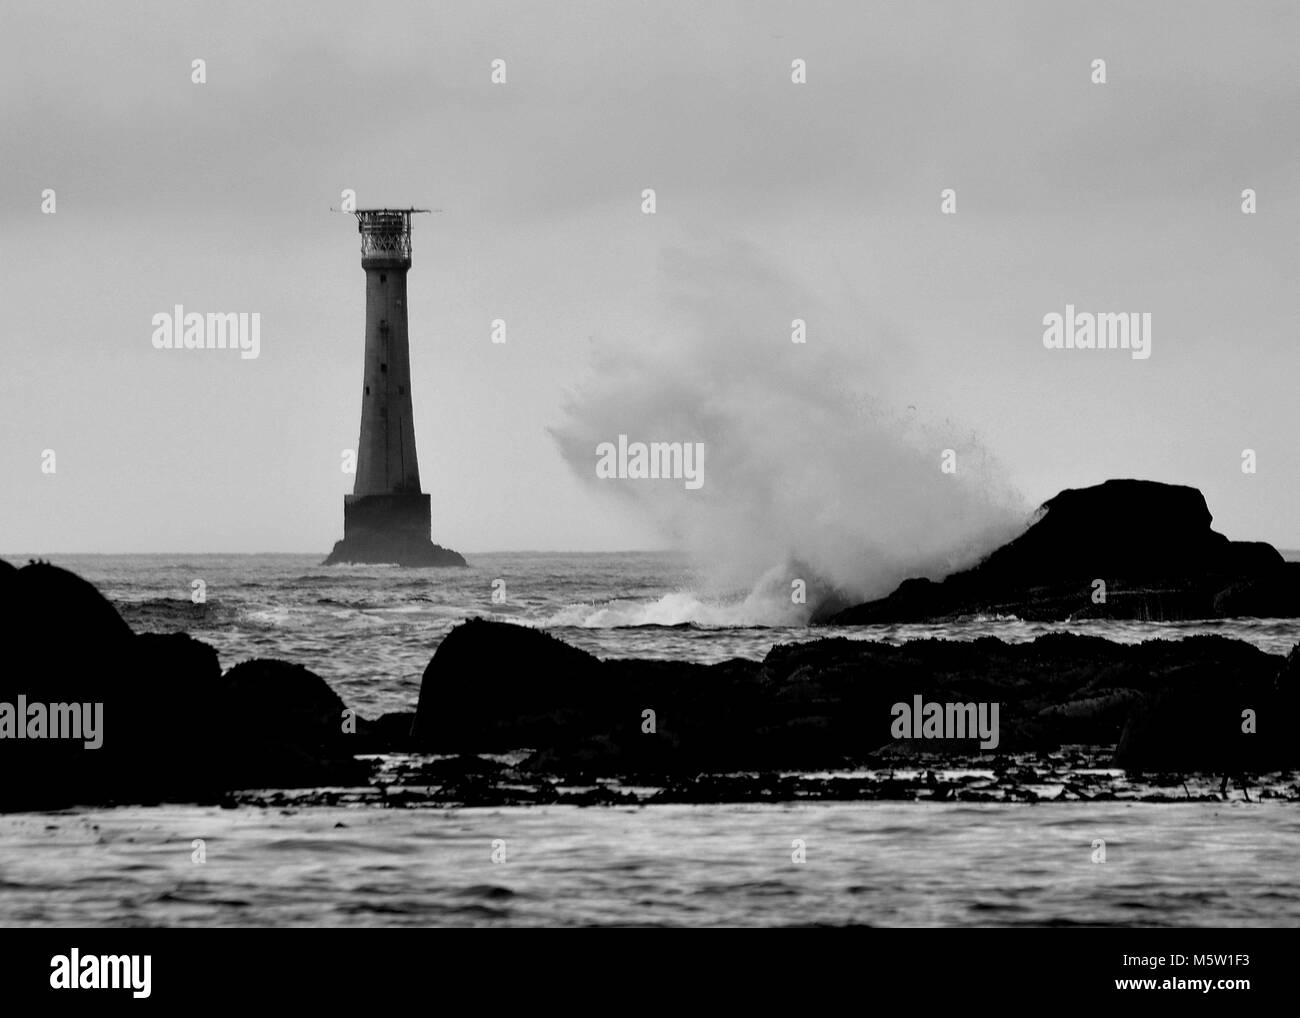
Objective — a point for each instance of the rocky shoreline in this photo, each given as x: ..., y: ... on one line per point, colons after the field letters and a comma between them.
x: 509, y: 715
x: 1075, y: 774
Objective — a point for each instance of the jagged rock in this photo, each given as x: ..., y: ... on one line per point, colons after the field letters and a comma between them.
x: 1151, y: 544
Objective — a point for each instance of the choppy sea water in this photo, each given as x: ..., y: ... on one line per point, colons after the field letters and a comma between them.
x: 370, y: 631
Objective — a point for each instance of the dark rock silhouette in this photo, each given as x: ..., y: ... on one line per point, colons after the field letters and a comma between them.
x: 451, y: 711
x: 492, y: 687
x: 1150, y: 543
x: 378, y: 548
x: 173, y: 728
x: 1202, y: 723
x: 389, y: 733
x: 176, y: 729
x: 288, y: 731
x: 59, y: 607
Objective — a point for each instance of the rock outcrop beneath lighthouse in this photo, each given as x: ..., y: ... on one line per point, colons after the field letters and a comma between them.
x: 392, y: 549
x: 389, y: 529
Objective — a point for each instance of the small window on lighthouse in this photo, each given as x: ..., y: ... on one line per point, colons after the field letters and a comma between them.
x: 367, y: 390
x: 383, y: 368
x: 383, y: 278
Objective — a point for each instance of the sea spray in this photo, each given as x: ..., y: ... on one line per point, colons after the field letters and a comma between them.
x: 810, y: 459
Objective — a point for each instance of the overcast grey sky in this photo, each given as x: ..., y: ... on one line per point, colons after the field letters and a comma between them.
x: 818, y: 201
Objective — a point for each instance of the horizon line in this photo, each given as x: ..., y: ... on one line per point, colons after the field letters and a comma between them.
x: 496, y: 551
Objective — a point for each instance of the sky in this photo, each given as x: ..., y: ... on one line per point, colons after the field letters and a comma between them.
x: 774, y: 201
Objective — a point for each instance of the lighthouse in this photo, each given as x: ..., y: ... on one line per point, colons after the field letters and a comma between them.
x: 387, y: 517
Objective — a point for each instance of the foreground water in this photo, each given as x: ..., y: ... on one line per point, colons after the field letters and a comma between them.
x: 370, y: 631
x: 873, y: 864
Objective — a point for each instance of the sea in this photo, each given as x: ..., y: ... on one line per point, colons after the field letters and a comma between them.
x: 370, y: 631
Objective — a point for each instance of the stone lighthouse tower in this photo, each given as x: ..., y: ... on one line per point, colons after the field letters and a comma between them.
x: 386, y: 518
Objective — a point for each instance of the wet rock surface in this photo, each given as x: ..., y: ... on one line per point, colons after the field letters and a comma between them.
x: 509, y: 715
x: 172, y: 727
x: 1074, y: 774
x: 1201, y: 704
x: 1150, y: 543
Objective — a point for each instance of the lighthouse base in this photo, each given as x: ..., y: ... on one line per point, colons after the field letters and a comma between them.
x: 389, y: 529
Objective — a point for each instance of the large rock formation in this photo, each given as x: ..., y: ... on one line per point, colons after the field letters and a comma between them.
x: 171, y: 726
x: 492, y: 687
x: 1150, y: 543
